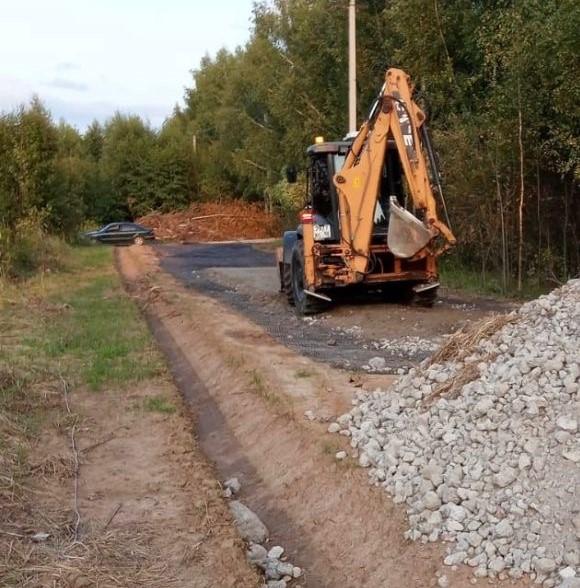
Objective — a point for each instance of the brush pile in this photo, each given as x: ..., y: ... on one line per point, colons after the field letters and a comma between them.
x: 213, y: 221
x: 482, y: 443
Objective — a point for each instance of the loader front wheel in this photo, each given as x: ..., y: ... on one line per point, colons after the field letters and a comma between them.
x: 303, y: 303
x: 426, y: 299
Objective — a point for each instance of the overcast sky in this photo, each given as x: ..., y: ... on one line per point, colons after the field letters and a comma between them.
x: 88, y: 58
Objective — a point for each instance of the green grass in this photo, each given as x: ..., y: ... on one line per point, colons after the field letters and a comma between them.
x: 262, y: 389
x: 457, y: 277
x: 82, y: 323
x: 303, y: 373
x: 159, y: 404
x: 103, y: 335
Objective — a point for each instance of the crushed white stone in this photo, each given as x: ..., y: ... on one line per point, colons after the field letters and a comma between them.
x: 493, y: 469
x: 408, y: 346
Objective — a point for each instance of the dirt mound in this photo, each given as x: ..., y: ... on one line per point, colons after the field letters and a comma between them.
x: 212, y: 221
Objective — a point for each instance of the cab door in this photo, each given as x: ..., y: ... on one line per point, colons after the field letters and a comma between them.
x: 323, y: 198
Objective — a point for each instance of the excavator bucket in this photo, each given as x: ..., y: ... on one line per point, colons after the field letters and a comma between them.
x: 407, y: 235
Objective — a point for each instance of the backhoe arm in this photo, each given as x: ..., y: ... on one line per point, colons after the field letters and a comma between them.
x: 395, y: 116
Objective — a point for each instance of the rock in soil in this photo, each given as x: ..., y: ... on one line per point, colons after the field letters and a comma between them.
x: 233, y: 485
x: 257, y: 554
x: 250, y: 527
x: 276, y: 552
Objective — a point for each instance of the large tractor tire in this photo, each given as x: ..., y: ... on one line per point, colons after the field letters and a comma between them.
x: 287, y: 283
x: 303, y: 303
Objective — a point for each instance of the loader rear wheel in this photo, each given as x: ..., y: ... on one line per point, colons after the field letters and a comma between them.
x: 287, y: 283
x: 303, y: 303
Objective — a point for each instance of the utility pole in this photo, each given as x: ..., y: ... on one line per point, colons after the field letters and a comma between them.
x: 352, y: 126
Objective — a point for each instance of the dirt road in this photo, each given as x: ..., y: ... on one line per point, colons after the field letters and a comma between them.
x: 250, y: 394
x: 244, y: 277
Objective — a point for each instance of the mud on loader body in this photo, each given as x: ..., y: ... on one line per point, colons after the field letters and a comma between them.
x: 370, y: 219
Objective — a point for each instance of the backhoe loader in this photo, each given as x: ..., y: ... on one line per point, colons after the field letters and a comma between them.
x: 370, y: 219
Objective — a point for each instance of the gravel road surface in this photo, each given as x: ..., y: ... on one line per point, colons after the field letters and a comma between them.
x: 362, y: 334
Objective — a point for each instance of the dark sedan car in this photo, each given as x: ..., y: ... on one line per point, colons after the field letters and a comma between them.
x: 121, y: 233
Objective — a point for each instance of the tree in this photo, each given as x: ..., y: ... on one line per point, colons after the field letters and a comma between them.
x: 127, y: 163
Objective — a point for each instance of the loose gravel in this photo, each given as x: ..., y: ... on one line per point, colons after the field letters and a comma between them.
x: 278, y: 571
x: 483, y: 447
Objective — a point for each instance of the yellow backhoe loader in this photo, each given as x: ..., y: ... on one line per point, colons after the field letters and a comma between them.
x: 371, y: 217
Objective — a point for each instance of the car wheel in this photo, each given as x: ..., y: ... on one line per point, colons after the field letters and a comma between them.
x: 138, y: 240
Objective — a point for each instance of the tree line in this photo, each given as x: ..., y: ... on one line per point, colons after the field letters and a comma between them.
x: 497, y: 78
x: 118, y: 170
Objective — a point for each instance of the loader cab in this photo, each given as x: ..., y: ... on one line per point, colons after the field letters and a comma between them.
x: 324, y: 161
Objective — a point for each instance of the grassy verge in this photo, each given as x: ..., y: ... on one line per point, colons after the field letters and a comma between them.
x: 79, y: 323
x: 457, y: 277
x: 74, y: 329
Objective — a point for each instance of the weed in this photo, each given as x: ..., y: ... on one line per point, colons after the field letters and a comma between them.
x: 303, y: 373
x: 233, y: 361
x: 260, y: 387
x: 330, y: 447
x: 159, y: 404
x: 29, y: 249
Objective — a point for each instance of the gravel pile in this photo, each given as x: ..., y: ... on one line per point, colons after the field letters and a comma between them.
x: 483, y: 447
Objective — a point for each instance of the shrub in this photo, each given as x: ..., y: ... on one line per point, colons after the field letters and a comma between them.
x: 28, y: 248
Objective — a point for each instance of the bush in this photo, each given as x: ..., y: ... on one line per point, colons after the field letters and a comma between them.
x: 28, y: 249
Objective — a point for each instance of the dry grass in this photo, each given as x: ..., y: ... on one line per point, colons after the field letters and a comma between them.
x: 40, y: 497
x: 63, y: 374
x: 464, y: 341
x: 460, y: 345
x: 114, y: 558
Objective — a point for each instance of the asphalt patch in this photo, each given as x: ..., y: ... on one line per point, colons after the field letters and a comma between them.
x: 309, y: 336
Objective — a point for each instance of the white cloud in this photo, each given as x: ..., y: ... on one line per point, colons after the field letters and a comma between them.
x: 65, y: 84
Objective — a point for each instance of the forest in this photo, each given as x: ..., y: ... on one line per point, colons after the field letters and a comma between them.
x: 498, y: 79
